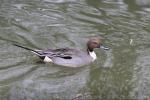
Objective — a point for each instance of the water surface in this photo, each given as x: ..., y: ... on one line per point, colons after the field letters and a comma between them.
x: 121, y: 73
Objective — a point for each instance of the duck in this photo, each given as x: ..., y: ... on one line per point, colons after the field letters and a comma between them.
x: 69, y: 57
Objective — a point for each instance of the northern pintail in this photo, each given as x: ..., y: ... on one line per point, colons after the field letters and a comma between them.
x: 69, y: 57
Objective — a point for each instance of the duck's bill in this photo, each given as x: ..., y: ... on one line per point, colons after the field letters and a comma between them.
x: 104, y: 47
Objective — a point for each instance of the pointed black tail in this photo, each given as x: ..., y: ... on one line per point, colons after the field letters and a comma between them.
x: 34, y: 51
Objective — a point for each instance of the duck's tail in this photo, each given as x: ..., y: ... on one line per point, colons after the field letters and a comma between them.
x: 32, y: 50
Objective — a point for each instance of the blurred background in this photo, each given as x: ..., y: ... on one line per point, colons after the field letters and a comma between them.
x: 121, y: 73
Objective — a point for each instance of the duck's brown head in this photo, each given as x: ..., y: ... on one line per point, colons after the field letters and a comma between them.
x: 95, y: 42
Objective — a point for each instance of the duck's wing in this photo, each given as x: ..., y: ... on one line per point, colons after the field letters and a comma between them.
x: 65, y: 53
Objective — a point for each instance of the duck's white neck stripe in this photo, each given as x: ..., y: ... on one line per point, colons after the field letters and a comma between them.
x: 93, y: 55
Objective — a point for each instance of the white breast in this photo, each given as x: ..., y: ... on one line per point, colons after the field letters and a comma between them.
x: 93, y: 55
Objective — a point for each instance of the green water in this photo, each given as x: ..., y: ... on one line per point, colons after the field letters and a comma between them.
x: 119, y: 74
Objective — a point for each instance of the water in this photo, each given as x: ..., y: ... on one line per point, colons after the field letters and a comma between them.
x: 121, y: 73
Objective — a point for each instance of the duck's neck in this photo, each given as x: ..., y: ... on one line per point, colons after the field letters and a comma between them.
x: 92, y: 54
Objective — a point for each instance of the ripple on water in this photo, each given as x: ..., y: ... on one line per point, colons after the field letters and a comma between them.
x: 142, y: 76
x: 49, y: 88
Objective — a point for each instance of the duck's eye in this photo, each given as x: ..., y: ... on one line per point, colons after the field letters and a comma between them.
x: 95, y: 43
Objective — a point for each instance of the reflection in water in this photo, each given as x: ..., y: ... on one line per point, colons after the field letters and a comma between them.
x: 122, y: 73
